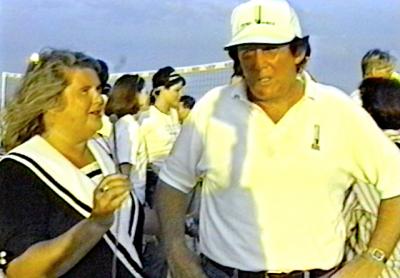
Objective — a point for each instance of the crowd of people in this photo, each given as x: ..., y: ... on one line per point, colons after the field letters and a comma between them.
x: 272, y: 175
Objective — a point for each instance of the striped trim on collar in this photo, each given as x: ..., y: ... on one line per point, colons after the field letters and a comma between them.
x: 30, y: 153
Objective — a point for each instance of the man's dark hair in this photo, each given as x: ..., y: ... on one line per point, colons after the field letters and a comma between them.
x: 187, y: 101
x: 381, y: 98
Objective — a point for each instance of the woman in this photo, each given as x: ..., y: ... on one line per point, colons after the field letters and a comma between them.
x: 128, y: 146
x: 381, y: 98
x: 159, y: 127
x: 64, y: 210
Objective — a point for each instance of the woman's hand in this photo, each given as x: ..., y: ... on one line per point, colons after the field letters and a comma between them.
x: 109, y: 196
x: 55, y: 257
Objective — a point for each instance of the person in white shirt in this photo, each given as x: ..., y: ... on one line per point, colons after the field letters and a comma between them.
x: 160, y: 124
x: 126, y: 143
x: 160, y: 127
x: 277, y: 153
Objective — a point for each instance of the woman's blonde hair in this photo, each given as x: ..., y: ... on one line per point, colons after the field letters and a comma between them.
x: 40, y: 91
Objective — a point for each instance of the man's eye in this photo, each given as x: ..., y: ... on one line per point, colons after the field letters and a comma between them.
x: 247, y: 53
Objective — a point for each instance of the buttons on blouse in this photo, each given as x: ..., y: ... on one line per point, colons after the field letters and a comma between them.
x: 3, y: 261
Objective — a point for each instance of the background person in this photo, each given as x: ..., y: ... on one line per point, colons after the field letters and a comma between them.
x: 186, y: 104
x: 376, y: 63
x: 160, y: 124
x: 160, y: 127
x: 381, y: 98
x: 103, y: 73
x: 144, y: 95
x: 130, y: 149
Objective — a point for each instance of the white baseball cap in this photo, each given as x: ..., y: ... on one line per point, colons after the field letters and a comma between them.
x: 264, y: 21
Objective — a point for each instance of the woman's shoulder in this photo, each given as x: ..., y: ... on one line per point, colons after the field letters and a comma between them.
x: 128, y: 118
x: 14, y: 173
x: 9, y: 167
x: 143, y: 116
x: 127, y: 122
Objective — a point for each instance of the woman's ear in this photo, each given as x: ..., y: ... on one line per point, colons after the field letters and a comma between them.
x: 47, y: 119
x: 59, y: 104
x: 158, y: 91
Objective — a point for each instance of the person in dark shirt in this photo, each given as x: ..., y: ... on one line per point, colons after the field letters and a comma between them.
x: 59, y: 189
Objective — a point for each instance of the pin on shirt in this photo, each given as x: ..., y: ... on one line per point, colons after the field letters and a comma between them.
x: 315, y: 144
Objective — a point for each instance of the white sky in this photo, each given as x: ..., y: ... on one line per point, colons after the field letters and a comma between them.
x: 133, y: 35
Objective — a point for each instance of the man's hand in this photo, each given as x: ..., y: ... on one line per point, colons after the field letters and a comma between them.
x: 183, y: 263
x: 360, y: 267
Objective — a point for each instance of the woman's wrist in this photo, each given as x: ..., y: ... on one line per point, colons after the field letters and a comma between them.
x: 101, y: 222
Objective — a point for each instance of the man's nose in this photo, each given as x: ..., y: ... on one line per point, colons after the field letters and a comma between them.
x: 259, y: 58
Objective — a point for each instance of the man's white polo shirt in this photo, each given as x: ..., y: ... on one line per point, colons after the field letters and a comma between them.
x: 273, y: 193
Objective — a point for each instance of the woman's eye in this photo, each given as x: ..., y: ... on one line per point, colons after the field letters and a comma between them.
x: 85, y: 90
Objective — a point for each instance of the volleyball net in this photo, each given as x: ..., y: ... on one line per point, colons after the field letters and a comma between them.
x: 199, y: 79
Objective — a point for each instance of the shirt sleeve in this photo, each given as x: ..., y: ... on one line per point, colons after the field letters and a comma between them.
x: 24, y: 209
x: 377, y: 158
x: 127, y: 133
x: 181, y: 169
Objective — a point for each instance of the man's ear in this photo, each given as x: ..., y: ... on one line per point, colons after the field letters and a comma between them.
x: 299, y: 55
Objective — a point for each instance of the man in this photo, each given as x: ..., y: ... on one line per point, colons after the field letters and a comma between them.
x: 376, y: 63
x: 276, y: 152
x: 186, y: 104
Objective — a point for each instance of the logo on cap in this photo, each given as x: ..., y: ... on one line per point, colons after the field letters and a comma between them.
x: 264, y: 21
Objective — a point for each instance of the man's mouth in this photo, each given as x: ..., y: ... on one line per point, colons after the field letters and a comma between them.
x: 264, y: 80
